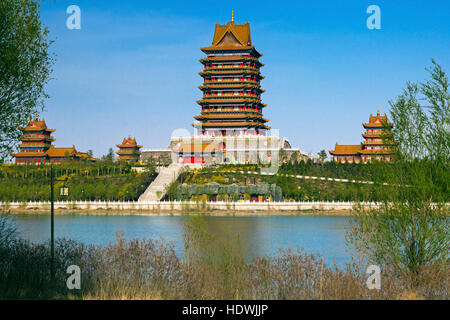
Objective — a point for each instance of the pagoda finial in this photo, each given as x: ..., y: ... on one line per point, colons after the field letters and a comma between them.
x: 378, y: 112
x: 232, y: 16
x: 37, y: 116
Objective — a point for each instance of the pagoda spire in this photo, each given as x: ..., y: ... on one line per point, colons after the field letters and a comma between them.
x: 232, y: 16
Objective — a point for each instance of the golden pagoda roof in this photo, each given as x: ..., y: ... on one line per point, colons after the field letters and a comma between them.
x: 231, y: 37
x: 378, y: 121
x: 197, y: 147
x: 128, y: 142
x: 36, y: 125
x: 28, y: 154
x: 61, y: 152
x: 346, y: 149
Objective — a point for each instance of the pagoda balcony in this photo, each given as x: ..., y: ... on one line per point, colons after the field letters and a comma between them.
x: 128, y: 152
x: 34, y: 145
x: 221, y: 85
x: 240, y: 95
x: 236, y: 58
x: 231, y: 66
x: 230, y: 81
x: 240, y: 70
x: 35, y: 137
x: 243, y: 110
x: 239, y: 100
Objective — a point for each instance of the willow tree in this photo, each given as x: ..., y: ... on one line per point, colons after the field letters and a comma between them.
x: 410, y: 232
x: 25, y: 68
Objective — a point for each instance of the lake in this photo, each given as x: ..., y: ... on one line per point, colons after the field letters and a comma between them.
x: 259, y: 235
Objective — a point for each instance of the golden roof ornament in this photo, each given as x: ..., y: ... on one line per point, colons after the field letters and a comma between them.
x: 232, y: 16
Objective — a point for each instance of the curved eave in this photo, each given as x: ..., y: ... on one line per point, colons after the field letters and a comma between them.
x: 231, y: 125
x: 128, y: 146
x: 215, y: 49
x: 377, y: 126
x: 230, y: 116
x: 376, y: 152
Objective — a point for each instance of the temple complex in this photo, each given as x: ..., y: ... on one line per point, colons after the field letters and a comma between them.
x: 372, y: 148
x: 230, y: 127
x: 36, y: 146
x: 129, y: 150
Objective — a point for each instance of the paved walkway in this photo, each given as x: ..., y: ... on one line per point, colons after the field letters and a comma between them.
x: 157, y: 189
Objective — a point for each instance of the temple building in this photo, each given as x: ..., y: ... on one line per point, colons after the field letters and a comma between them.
x: 36, y: 146
x: 230, y: 127
x: 231, y: 103
x: 129, y: 150
x: 372, y: 148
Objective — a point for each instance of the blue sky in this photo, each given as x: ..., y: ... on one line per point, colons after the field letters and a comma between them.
x: 133, y: 67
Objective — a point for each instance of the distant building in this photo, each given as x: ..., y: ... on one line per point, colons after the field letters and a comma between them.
x: 373, y: 146
x: 129, y: 150
x: 36, y: 146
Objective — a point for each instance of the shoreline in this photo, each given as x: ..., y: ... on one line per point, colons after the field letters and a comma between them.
x: 171, y: 208
x: 217, y: 213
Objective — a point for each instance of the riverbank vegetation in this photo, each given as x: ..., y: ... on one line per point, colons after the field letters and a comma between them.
x: 360, y: 187
x: 411, y: 230
x: 103, y: 180
x: 211, y: 268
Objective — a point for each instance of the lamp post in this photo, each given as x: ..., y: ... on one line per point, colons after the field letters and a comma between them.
x: 52, y: 218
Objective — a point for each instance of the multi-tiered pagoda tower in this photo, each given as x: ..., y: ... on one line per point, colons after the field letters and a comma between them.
x: 129, y: 150
x: 36, y: 140
x: 36, y: 146
x: 374, y: 146
x: 231, y: 103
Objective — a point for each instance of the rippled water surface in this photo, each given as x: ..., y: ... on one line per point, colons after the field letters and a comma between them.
x: 259, y: 235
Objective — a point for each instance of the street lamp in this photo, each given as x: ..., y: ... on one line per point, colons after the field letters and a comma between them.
x: 52, y: 214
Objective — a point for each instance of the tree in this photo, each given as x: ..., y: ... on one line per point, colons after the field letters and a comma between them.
x: 109, y: 157
x: 422, y: 130
x: 322, y: 155
x: 409, y: 232
x: 25, y: 68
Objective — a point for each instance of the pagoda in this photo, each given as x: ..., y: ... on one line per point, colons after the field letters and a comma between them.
x: 231, y: 103
x: 36, y: 146
x: 36, y: 140
x: 129, y: 150
x: 374, y: 146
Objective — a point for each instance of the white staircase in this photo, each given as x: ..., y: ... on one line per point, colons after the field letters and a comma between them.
x: 157, y: 189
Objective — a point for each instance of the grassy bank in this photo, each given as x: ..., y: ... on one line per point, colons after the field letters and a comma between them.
x: 212, y: 268
x: 103, y: 180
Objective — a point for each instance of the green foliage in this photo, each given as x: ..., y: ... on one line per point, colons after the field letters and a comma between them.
x: 421, y: 118
x: 25, y: 68
x: 110, y: 156
x: 86, y: 181
x: 409, y: 233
